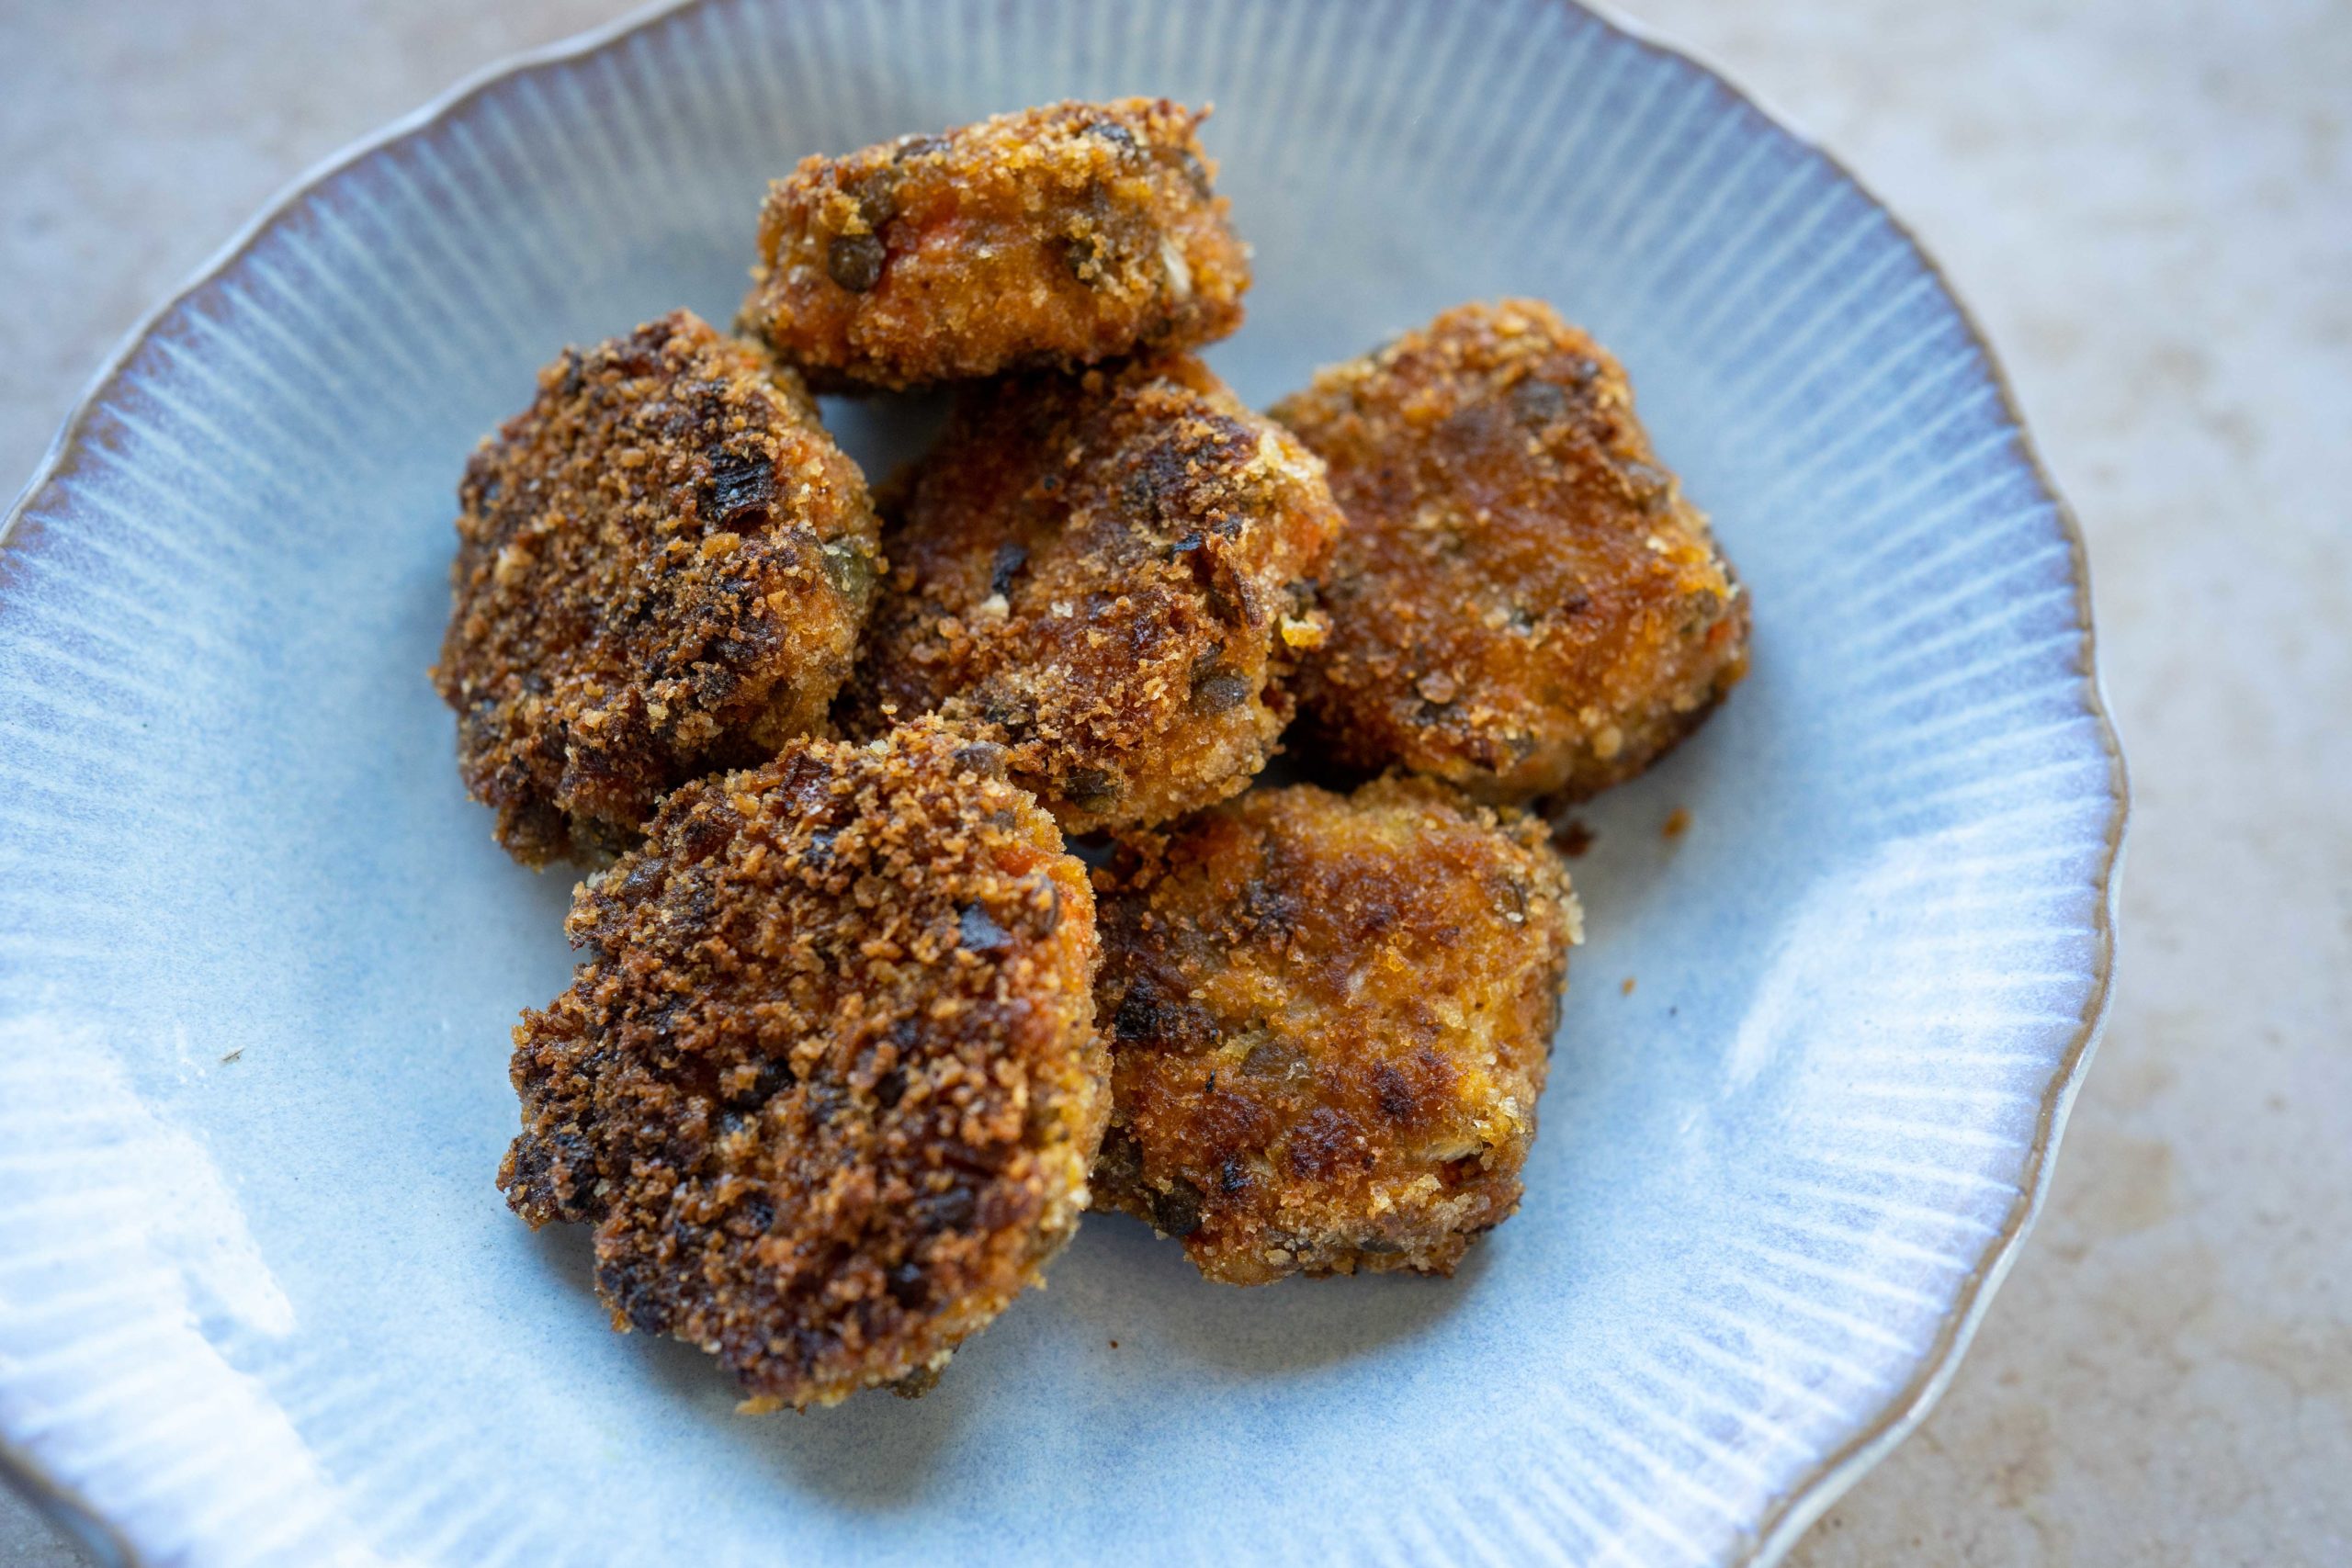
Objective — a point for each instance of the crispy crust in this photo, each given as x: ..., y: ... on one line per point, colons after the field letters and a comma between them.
x: 1107, y: 572
x: 1057, y: 237
x: 1332, y: 1016
x: 1523, y: 603
x: 663, y: 565
x: 828, y: 1082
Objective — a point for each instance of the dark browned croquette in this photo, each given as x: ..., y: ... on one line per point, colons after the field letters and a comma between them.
x: 663, y: 566
x: 826, y: 1083
x: 1110, y: 573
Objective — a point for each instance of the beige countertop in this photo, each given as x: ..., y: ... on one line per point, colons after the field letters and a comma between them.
x: 2150, y: 208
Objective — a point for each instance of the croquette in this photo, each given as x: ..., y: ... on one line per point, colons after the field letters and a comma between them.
x: 827, y: 1084
x: 1523, y: 603
x: 1331, y: 1018
x: 1111, y: 572
x: 663, y: 566
x: 1057, y: 237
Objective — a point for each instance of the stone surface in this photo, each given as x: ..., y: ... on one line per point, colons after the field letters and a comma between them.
x: 2150, y: 206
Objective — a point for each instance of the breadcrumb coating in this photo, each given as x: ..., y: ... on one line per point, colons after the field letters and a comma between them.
x: 1109, y: 573
x: 663, y: 566
x: 828, y: 1083
x: 1523, y: 603
x: 1331, y: 1018
x: 1057, y: 237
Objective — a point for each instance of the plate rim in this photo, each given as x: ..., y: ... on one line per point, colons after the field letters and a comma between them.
x: 1831, y: 1476
x: 1827, y: 1478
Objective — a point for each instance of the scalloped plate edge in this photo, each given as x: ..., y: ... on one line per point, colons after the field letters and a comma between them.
x: 1795, y: 1511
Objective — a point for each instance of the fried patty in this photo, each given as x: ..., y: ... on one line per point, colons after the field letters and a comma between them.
x: 1523, y: 603
x: 663, y: 566
x: 1059, y: 236
x: 1109, y: 571
x: 827, y: 1084
x: 1331, y: 1018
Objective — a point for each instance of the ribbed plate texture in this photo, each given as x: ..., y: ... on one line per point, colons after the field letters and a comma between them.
x: 259, y: 1301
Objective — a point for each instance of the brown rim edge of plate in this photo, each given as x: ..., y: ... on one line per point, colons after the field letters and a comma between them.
x: 1795, y: 1511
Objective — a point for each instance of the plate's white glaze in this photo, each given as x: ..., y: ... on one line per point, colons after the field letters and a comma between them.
x: 259, y: 1300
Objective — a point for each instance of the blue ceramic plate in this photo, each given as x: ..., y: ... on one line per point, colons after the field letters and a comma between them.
x: 258, y: 955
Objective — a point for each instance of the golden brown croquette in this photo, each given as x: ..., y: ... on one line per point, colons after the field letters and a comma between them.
x: 1057, y: 237
x: 1108, y: 573
x: 1523, y: 603
x: 1331, y: 1018
x: 828, y: 1083
x: 663, y: 565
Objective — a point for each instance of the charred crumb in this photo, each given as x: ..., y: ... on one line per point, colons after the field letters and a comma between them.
x: 1196, y: 173
x: 741, y: 485
x: 1091, y: 789
x: 1217, y: 691
x: 985, y: 758
x: 1010, y: 558
x: 1177, y: 1211
x: 855, y: 261
x: 915, y: 1384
